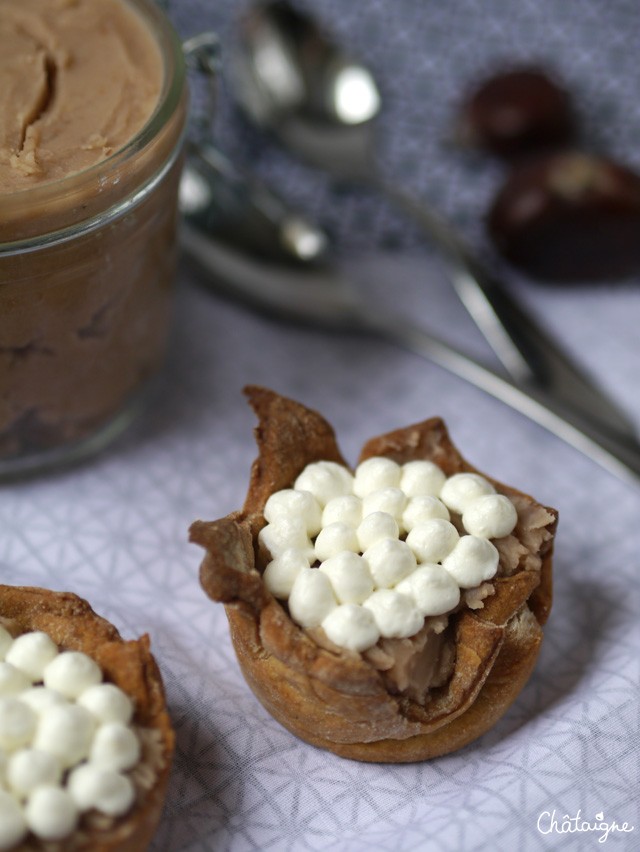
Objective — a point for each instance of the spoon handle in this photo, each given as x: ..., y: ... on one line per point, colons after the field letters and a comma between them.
x: 620, y: 456
x: 528, y: 353
x: 322, y: 301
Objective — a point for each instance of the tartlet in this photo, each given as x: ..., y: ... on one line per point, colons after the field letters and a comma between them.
x: 337, y: 699
x: 73, y: 625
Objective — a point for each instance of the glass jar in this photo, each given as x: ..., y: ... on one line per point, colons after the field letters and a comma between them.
x: 86, y: 270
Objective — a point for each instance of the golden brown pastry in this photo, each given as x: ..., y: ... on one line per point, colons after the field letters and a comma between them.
x: 361, y: 705
x: 71, y: 623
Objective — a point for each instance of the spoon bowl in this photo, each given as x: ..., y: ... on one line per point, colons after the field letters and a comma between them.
x: 290, y: 78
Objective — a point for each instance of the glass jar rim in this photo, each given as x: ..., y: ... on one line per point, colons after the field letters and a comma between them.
x: 174, y: 68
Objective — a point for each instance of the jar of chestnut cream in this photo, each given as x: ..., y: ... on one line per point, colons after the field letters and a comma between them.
x: 93, y: 106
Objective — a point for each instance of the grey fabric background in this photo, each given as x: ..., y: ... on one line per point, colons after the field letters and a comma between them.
x: 425, y: 56
x: 115, y: 530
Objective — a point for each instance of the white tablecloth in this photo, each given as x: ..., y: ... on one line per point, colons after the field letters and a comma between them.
x: 115, y: 529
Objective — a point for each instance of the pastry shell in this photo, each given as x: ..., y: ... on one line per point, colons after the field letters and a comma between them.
x: 337, y: 700
x: 73, y: 625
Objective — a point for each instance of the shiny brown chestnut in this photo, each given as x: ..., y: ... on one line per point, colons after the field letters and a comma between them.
x: 569, y: 217
x: 516, y: 112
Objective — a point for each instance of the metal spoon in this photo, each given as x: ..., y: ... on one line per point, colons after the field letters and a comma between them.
x: 320, y: 103
x: 253, y: 247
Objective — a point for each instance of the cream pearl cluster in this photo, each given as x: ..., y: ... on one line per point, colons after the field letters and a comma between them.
x: 388, y: 553
x: 66, y: 741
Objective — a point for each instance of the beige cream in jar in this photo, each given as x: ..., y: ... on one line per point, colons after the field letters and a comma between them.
x: 92, y: 115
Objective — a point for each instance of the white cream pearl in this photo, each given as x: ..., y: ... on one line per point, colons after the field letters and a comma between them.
x: 350, y: 577
x: 51, y: 813
x: 395, y: 614
x: 71, y: 672
x: 375, y: 527
x: 346, y: 509
x: 333, y: 539
x: 325, y: 480
x: 17, y: 723
x: 302, y: 504
x: 108, y: 703
x: 66, y: 730
x: 280, y: 574
x: 432, y: 540
x: 432, y: 588
x: 30, y: 768
x: 472, y: 561
x: 490, y: 516
x: 351, y: 626
x: 286, y: 534
x: 31, y: 652
x: 312, y: 598
x: 423, y: 508
x: 115, y: 746
x: 461, y: 488
x: 376, y: 473
x: 12, y: 680
x: 106, y: 790
x: 39, y: 698
x: 421, y: 478
x: 389, y: 500
x: 390, y: 561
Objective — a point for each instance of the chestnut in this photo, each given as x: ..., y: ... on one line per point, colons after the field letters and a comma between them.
x: 569, y: 217
x: 516, y: 112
